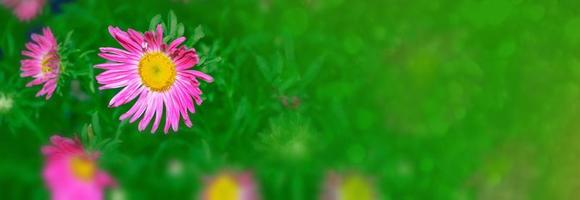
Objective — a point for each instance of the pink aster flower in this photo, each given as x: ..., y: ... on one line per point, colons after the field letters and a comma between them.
x: 43, y: 63
x: 230, y: 186
x: 25, y: 10
x: 348, y: 187
x: 72, y: 173
x: 156, y: 74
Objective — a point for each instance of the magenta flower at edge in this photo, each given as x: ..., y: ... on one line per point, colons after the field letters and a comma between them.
x: 231, y: 186
x: 72, y: 173
x: 43, y: 63
x: 157, y: 75
x: 25, y: 10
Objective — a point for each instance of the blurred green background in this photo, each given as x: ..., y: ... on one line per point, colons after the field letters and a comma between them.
x: 432, y: 99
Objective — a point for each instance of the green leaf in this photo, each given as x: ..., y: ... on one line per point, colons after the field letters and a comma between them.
x: 154, y: 22
x: 172, y: 24
x: 277, y: 67
x: 264, y: 68
x: 84, y: 54
x: 312, y: 71
x: 119, y: 128
x: 90, y: 133
x: 67, y: 40
x: 180, y: 30
x: 10, y: 41
x: 92, y: 81
x: 198, y: 34
x: 96, y: 123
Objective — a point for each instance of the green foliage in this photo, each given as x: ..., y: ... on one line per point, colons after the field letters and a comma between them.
x: 431, y: 99
x: 171, y: 27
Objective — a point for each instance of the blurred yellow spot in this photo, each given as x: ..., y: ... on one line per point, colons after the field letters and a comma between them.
x: 45, y: 63
x: 83, y: 168
x: 355, y: 187
x: 157, y: 71
x: 224, y: 187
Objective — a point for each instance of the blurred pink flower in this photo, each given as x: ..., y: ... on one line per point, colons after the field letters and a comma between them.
x: 25, y: 10
x: 72, y: 173
x: 43, y: 63
x: 230, y: 186
x: 156, y: 74
x: 350, y: 186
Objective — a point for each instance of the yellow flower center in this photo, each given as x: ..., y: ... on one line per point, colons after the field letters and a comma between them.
x: 356, y: 187
x: 83, y: 168
x: 157, y: 71
x: 45, y: 63
x: 224, y: 187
